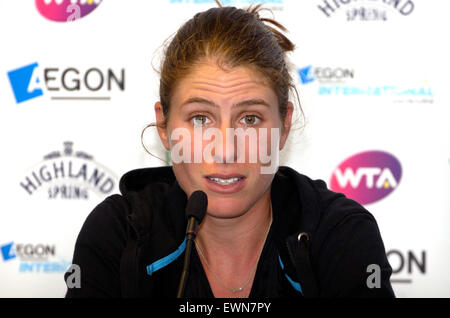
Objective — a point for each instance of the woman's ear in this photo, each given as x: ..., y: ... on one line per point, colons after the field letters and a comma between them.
x: 287, y: 124
x: 161, y: 125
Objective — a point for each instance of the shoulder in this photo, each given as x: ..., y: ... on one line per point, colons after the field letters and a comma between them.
x: 344, y: 238
x: 98, y: 249
x: 332, y: 215
x: 104, y: 233
x: 346, y: 243
x: 321, y: 208
x: 108, y: 217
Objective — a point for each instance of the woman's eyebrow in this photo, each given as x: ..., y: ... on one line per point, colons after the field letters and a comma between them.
x: 249, y: 102
x: 199, y: 100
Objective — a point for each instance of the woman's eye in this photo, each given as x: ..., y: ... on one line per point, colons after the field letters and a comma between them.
x: 200, y: 120
x: 250, y: 120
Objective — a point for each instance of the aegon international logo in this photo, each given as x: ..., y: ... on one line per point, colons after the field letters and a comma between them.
x: 364, y: 10
x: 69, y: 174
x: 367, y: 177
x: 326, y: 74
x: 34, y: 257
x: 66, y: 10
x: 65, y: 83
x: 340, y: 81
x: 225, y: 2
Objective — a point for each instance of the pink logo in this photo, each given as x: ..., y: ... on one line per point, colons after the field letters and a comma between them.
x: 367, y: 176
x: 66, y: 10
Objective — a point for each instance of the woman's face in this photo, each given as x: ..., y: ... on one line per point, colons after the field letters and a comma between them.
x: 214, y: 100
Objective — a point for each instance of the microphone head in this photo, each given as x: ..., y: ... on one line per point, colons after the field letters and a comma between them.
x: 196, y: 205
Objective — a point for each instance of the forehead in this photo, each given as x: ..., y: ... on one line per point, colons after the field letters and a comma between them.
x: 208, y: 79
x: 212, y: 71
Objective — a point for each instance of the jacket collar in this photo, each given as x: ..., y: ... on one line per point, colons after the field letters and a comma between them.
x: 294, y: 200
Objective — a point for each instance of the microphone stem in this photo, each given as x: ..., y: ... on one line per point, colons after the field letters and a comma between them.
x: 190, y: 236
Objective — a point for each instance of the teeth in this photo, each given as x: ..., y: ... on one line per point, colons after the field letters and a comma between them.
x: 224, y: 181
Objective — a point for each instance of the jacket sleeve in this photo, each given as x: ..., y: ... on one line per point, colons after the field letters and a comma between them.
x: 98, y: 250
x: 351, y: 259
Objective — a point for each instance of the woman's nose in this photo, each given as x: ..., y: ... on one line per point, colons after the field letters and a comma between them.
x: 226, y: 147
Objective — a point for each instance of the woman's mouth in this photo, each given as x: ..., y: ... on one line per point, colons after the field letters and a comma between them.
x: 225, y: 183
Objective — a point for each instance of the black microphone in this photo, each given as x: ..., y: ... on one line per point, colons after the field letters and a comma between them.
x: 195, y: 211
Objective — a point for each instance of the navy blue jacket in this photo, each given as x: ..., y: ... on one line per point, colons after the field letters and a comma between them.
x: 147, y: 221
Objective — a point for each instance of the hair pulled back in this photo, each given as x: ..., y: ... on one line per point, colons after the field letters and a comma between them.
x: 232, y: 37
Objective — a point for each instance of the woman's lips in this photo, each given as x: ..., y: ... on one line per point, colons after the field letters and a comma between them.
x: 225, y: 184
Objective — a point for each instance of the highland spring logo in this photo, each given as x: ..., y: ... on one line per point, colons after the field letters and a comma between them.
x: 367, y: 177
x: 66, y: 10
x: 69, y: 175
x: 226, y: 150
x: 366, y: 10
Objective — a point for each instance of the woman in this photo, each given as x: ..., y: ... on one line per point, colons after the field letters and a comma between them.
x: 267, y: 232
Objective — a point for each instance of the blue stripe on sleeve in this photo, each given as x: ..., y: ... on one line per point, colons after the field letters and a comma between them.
x: 163, y: 262
x: 294, y: 284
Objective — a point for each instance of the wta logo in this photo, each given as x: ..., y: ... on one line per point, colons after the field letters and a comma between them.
x: 66, y: 10
x: 367, y: 177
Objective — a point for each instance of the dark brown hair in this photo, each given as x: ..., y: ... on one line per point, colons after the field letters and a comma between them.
x: 232, y: 37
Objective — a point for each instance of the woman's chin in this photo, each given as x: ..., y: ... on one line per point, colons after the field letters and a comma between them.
x: 226, y: 210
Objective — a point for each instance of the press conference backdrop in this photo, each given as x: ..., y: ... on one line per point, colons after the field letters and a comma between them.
x: 78, y: 85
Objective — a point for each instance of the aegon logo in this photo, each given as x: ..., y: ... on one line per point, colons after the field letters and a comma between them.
x: 325, y: 74
x: 367, y: 177
x: 66, y: 10
x: 65, y: 83
x: 406, y: 264
x: 34, y: 257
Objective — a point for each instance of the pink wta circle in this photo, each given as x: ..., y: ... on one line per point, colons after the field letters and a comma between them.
x: 367, y: 177
x: 66, y: 10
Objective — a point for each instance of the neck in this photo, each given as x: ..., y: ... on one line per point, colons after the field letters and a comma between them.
x: 230, y: 248
x: 241, y: 236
